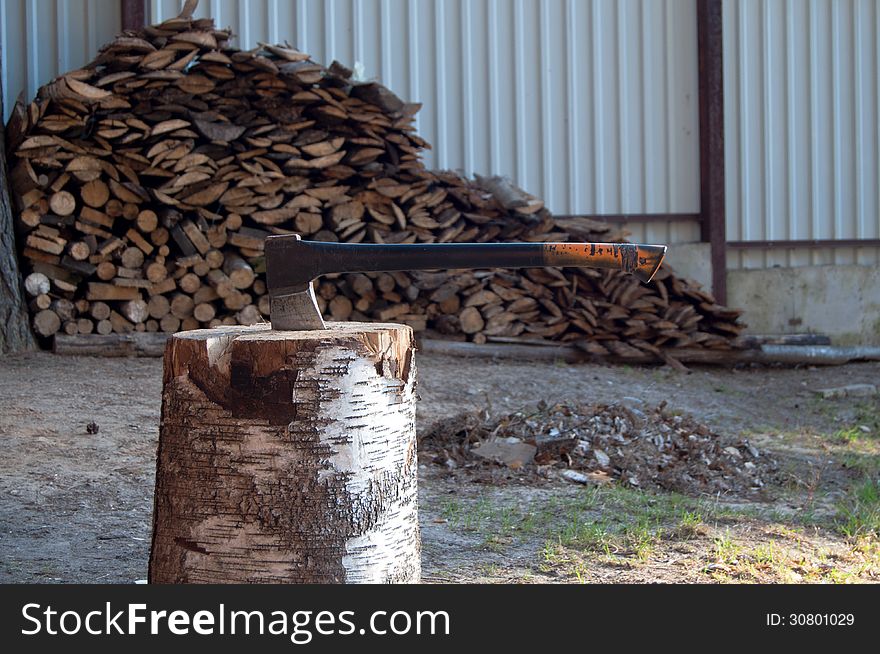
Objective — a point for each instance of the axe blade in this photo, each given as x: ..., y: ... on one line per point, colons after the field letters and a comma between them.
x: 296, y: 310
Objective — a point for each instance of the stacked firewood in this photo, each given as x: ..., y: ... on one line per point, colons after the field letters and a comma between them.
x: 147, y: 181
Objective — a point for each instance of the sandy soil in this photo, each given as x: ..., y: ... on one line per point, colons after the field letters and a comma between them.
x: 76, y: 507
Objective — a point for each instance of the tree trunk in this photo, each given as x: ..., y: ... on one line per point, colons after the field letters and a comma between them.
x: 287, y: 457
x: 15, y: 334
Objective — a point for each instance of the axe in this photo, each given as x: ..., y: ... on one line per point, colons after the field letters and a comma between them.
x: 292, y: 264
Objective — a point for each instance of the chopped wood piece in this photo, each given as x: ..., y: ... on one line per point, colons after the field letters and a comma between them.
x: 132, y: 258
x: 46, y: 322
x: 147, y: 221
x: 95, y: 193
x: 169, y: 323
x: 182, y: 306
x: 99, y: 310
x: 204, y: 312
x: 64, y: 309
x: 156, y: 272
x: 239, y: 271
x: 189, y: 283
x: 158, y: 306
x: 471, y: 321
x: 79, y: 250
x: 85, y: 326
x: 106, y: 270
x: 340, y: 308
x: 221, y: 283
x: 36, y: 284
x: 214, y: 258
x: 98, y: 291
x: 196, y: 237
x: 250, y: 315
x: 62, y: 203
x: 40, y: 302
x: 120, y: 324
x: 134, y: 310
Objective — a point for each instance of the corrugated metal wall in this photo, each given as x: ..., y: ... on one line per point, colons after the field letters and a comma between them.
x: 591, y: 105
x: 802, y: 92
x: 42, y: 38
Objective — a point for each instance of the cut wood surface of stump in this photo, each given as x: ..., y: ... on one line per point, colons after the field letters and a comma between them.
x: 287, y: 457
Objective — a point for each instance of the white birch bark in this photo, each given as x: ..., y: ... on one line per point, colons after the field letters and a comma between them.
x: 287, y: 457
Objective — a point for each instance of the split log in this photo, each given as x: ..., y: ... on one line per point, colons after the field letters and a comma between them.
x: 341, y: 492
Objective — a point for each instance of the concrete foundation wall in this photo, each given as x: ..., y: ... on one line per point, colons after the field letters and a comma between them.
x: 840, y: 301
x: 692, y: 261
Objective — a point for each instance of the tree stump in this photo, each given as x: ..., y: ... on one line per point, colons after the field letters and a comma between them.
x: 287, y: 457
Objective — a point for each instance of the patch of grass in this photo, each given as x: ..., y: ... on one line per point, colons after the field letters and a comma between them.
x: 491, y: 570
x: 496, y: 543
x: 864, y: 425
x: 451, y: 510
x: 583, y: 533
x: 864, y: 463
x: 726, y: 550
x: 690, y: 524
x: 603, y: 519
x: 558, y: 560
x: 642, y: 539
x: 848, y: 434
x: 800, y: 561
x: 469, y: 516
x: 767, y: 553
x: 868, y: 414
x: 861, y: 422
x: 859, y: 511
x: 631, y: 524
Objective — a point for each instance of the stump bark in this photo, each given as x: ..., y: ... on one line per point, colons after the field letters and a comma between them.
x: 287, y: 457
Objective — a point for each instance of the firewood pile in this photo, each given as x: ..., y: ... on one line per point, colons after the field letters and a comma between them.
x: 147, y: 181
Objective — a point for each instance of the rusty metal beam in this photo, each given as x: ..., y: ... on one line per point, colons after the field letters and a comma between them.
x: 134, y: 14
x: 711, y: 94
x: 637, y: 217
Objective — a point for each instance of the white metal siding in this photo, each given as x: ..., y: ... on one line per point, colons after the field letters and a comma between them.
x: 801, y: 83
x: 42, y: 38
x: 590, y: 104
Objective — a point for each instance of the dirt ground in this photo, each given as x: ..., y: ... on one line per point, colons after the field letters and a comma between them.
x: 76, y: 507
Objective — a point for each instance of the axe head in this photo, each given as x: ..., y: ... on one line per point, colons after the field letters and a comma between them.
x: 290, y: 269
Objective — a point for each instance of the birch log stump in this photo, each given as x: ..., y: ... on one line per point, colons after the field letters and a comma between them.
x: 287, y: 457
